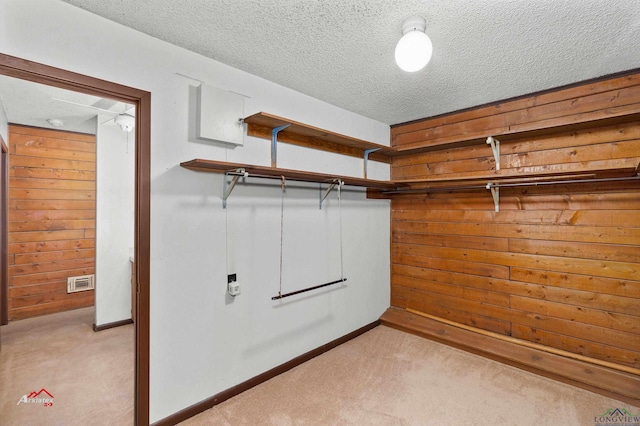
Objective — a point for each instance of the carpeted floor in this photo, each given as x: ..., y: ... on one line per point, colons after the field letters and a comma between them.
x: 89, y: 374
x: 384, y: 377
x: 388, y: 377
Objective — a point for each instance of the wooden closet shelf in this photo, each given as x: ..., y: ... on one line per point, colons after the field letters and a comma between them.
x: 261, y: 124
x: 277, y: 173
x: 508, y: 176
x: 497, y: 180
x: 494, y: 182
x: 512, y: 133
x: 407, y: 186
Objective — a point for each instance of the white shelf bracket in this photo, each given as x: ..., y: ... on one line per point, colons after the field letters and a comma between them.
x: 495, y: 193
x: 366, y: 159
x: 495, y: 147
x: 227, y: 187
x: 274, y: 144
x: 328, y: 191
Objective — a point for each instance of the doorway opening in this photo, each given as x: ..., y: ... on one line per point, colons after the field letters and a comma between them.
x: 44, y: 74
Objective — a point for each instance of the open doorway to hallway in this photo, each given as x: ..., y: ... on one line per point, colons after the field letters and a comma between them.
x: 41, y: 73
x: 70, y: 218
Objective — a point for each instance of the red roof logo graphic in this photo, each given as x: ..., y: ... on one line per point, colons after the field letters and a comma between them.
x: 35, y: 394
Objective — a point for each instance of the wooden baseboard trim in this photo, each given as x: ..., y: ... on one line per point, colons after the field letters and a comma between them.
x: 112, y: 325
x: 210, y: 402
x: 604, y: 381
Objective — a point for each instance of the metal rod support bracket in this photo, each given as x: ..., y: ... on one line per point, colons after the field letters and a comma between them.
x: 227, y: 187
x: 329, y: 189
x: 274, y: 144
x: 495, y: 147
x: 366, y: 158
x: 495, y: 193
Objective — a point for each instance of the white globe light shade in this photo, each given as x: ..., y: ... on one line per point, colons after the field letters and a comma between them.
x: 413, y: 51
x: 125, y: 121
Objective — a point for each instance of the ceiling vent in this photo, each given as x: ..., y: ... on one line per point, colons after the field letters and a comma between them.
x: 81, y: 283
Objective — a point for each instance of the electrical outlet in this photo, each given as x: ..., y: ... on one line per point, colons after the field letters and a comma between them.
x: 233, y: 288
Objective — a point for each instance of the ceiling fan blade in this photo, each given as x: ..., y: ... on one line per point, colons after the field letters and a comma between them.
x: 86, y: 106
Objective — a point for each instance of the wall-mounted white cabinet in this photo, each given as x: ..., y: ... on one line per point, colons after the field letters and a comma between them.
x: 219, y: 115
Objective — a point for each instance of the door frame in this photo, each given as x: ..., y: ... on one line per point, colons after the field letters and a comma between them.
x: 39, y: 73
x: 4, y: 233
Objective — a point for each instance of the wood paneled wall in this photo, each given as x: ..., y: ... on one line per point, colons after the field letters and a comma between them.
x: 52, y: 213
x: 557, y: 265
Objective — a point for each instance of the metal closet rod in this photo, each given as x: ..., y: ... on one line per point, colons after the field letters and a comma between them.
x: 511, y: 185
x: 278, y: 177
x: 293, y: 293
x: 594, y: 180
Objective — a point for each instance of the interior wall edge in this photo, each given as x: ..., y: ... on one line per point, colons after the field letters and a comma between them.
x: 4, y: 238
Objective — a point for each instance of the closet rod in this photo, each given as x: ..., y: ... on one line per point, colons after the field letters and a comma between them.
x: 510, y: 185
x: 278, y: 177
x: 595, y: 180
x: 293, y: 293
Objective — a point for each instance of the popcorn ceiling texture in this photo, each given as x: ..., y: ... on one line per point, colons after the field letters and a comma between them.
x: 342, y: 51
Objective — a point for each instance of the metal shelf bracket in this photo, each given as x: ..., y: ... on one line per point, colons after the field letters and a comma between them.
x: 366, y: 158
x: 495, y: 147
x: 495, y: 193
x: 274, y: 144
x: 227, y: 187
x: 328, y: 191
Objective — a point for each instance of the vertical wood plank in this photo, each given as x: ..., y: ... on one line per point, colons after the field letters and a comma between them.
x: 51, y: 219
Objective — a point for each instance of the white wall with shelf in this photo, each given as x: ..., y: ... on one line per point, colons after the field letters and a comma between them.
x: 201, y: 342
x: 195, y: 353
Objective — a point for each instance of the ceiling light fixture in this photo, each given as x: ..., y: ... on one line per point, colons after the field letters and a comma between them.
x: 414, y: 49
x: 55, y: 122
x: 125, y: 121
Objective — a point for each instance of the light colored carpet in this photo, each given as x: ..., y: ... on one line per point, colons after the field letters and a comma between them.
x: 89, y: 374
x: 388, y: 377
x: 384, y: 377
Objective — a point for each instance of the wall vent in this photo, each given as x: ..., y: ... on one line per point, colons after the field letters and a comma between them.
x: 81, y: 283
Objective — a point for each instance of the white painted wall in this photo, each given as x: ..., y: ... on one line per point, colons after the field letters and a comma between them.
x: 115, y: 196
x: 201, y: 341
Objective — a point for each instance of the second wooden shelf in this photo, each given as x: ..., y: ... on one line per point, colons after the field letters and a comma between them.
x: 277, y: 173
x: 261, y: 124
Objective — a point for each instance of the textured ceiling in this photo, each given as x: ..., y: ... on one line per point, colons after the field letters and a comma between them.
x: 341, y: 51
x: 32, y: 104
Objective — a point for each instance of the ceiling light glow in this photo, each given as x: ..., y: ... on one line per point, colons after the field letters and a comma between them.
x: 414, y: 49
